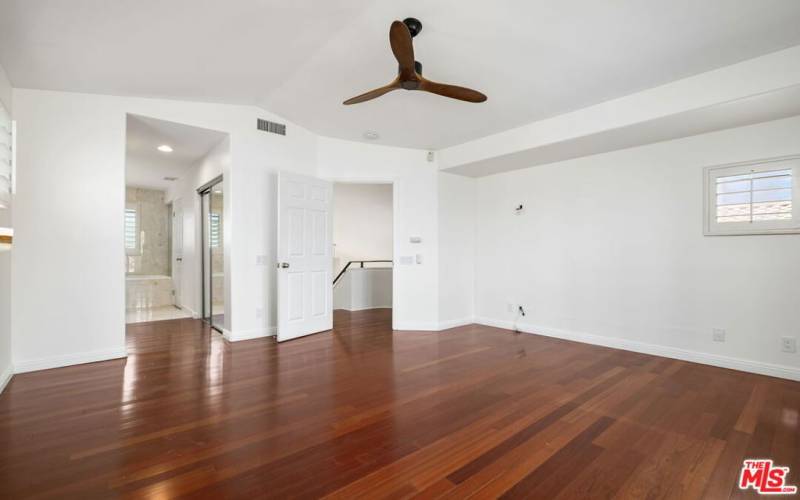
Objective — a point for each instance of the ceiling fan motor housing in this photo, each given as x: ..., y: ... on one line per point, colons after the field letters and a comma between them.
x: 414, y: 25
x: 417, y: 68
x: 412, y: 84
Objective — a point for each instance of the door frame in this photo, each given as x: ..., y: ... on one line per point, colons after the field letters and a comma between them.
x: 205, y: 190
x: 176, y: 214
x: 395, y: 182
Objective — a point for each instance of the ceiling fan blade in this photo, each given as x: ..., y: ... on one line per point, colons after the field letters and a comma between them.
x: 403, y: 49
x: 452, y: 91
x: 372, y: 94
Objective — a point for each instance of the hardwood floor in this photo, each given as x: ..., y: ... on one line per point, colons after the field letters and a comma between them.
x: 366, y: 413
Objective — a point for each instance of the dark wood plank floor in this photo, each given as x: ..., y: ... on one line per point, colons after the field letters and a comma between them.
x: 362, y: 412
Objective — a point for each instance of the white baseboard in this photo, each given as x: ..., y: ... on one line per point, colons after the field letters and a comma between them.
x: 5, y: 377
x: 416, y: 326
x: 248, y: 334
x: 761, y: 368
x: 195, y: 314
x: 366, y: 308
x: 69, y: 359
x: 453, y: 323
x: 421, y: 326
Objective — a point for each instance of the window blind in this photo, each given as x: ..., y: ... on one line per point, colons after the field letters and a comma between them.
x: 131, y: 226
x: 754, y: 197
x: 214, y: 236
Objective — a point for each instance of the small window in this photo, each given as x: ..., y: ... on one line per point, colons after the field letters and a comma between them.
x: 6, y: 157
x: 132, y: 233
x: 753, y: 198
x: 214, y: 236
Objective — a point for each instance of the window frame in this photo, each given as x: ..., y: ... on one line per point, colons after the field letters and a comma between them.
x: 137, y: 207
x: 7, y: 154
x: 710, y: 175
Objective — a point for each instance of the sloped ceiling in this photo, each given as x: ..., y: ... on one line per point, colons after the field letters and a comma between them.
x: 301, y: 59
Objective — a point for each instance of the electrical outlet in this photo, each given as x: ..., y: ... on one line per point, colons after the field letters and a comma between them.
x: 510, y: 307
x: 789, y: 344
x: 521, y: 310
x: 259, y: 312
x: 718, y: 335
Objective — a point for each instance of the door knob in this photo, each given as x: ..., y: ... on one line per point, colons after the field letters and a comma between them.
x: 283, y: 265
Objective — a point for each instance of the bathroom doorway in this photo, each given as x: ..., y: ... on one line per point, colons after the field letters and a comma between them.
x: 213, y: 248
x: 165, y: 164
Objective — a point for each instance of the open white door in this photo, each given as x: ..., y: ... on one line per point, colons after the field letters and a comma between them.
x: 177, y: 251
x: 305, y: 260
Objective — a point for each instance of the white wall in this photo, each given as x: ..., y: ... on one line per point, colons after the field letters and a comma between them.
x: 610, y: 249
x: 69, y: 304
x: 362, y: 223
x: 609, y: 245
x: 68, y: 280
x: 67, y: 271
x: 5, y: 264
x: 415, y: 205
x: 456, y: 249
x: 367, y: 288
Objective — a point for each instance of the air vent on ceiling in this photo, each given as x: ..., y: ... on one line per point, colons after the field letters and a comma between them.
x: 271, y: 127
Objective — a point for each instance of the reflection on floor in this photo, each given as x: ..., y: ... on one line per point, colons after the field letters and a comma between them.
x: 155, y: 314
x: 365, y: 412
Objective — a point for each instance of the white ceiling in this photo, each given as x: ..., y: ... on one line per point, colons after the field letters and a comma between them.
x: 146, y: 166
x: 301, y: 59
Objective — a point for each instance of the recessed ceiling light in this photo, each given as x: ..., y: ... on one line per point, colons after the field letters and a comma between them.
x: 165, y: 148
x: 370, y: 135
x: 170, y: 179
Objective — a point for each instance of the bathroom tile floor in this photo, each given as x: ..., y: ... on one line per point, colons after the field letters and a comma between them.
x: 155, y: 314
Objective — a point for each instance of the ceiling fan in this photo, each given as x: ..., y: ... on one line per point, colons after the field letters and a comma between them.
x: 409, y: 73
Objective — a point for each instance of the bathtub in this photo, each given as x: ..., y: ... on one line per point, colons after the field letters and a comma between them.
x: 144, y: 291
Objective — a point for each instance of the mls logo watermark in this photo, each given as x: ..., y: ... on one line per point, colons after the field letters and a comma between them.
x: 765, y: 478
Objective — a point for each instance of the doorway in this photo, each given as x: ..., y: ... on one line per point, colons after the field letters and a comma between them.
x: 363, y: 246
x: 165, y: 164
x: 213, y: 250
x: 306, y: 280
